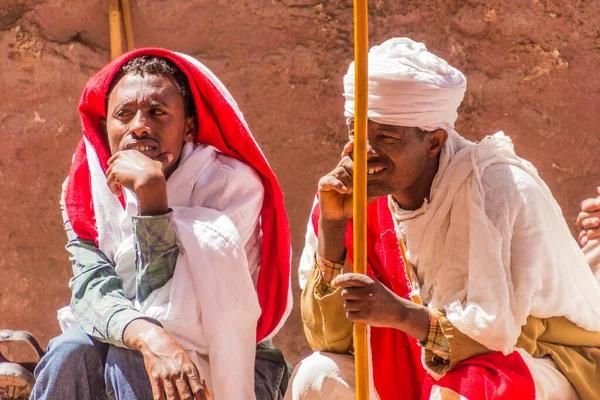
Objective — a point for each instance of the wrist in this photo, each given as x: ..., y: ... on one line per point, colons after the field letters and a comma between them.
x: 334, y: 221
x: 135, y: 334
x: 152, y: 197
x: 332, y: 238
x: 412, y: 319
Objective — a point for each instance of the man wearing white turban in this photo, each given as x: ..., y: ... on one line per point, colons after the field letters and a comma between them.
x: 468, y: 254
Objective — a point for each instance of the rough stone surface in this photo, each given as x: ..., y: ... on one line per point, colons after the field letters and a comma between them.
x: 532, y: 67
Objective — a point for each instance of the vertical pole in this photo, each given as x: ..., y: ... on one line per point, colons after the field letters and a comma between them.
x: 361, y: 49
x: 115, y: 23
x: 127, y: 24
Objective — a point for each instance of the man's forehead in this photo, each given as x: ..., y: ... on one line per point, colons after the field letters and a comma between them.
x: 377, y: 125
x: 147, y: 86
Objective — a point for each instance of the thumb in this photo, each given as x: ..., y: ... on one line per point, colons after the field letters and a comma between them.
x: 349, y: 147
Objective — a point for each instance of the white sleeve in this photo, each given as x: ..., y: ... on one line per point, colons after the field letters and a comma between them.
x: 522, y: 261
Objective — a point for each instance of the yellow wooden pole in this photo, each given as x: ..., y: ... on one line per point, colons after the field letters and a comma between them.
x: 127, y: 24
x: 361, y: 49
x: 115, y: 24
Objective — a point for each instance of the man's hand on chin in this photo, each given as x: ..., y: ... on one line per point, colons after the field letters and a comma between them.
x: 172, y: 373
x: 143, y: 176
x: 368, y: 301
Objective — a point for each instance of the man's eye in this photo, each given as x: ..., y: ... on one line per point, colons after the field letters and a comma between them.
x: 156, y: 111
x: 121, y: 114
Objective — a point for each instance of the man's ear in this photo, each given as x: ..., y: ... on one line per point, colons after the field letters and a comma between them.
x: 436, y: 141
x: 103, y: 125
x: 190, y: 129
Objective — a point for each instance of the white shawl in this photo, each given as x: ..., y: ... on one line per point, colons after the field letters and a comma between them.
x: 210, y: 305
x: 491, y: 247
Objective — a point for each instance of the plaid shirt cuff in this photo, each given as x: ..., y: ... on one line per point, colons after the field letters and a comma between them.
x: 155, y: 232
x: 156, y: 251
x: 119, y: 321
x: 436, y: 341
x: 329, y: 270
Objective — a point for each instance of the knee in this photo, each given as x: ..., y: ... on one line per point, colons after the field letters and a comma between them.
x: 125, y: 375
x: 69, y: 351
x: 124, y: 358
x: 321, y: 375
x: 317, y: 365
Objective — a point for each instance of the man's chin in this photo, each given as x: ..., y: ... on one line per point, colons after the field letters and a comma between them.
x: 375, y: 189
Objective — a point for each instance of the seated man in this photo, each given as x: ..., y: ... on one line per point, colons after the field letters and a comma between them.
x: 179, y: 242
x: 503, y: 302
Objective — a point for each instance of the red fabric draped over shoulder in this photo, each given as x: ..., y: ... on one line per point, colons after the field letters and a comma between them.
x: 219, y: 125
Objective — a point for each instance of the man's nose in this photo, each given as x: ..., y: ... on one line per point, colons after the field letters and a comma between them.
x: 139, y: 125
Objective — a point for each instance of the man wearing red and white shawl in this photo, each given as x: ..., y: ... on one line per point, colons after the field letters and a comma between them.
x: 493, y: 287
x: 179, y: 242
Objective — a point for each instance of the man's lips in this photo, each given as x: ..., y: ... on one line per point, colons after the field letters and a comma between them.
x: 375, y: 170
x: 146, y: 146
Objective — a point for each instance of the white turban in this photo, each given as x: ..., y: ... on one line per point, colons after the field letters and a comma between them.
x: 409, y: 86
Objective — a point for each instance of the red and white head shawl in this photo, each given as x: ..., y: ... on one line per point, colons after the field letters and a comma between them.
x: 221, y: 125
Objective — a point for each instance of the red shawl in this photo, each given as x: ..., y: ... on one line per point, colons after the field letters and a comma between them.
x: 219, y: 126
x: 397, y: 369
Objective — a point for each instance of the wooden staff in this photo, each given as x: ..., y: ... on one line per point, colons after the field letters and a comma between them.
x: 115, y: 23
x: 127, y: 25
x: 361, y: 49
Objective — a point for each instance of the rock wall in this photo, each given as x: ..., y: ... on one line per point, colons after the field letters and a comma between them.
x: 532, y: 68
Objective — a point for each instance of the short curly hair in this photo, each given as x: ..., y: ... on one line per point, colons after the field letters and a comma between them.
x: 153, y: 65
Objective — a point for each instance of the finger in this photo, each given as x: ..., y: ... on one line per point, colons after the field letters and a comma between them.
x: 354, y: 316
x: 343, y: 175
x: 114, y: 157
x: 330, y: 183
x: 348, y: 164
x: 348, y: 148
x: 350, y: 280
x: 353, y: 305
x: 590, y: 223
x: 185, y: 393
x: 114, y: 186
x: 598, y: 189
x: 354, y: 293
x: 196, y: 384
x: 170, y: 391
x: 206, y: 391
x: 590, y: 205
x: 593, y: 234
x: 157, y: 392
x: 580, y: 218
x: 583, y: 239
